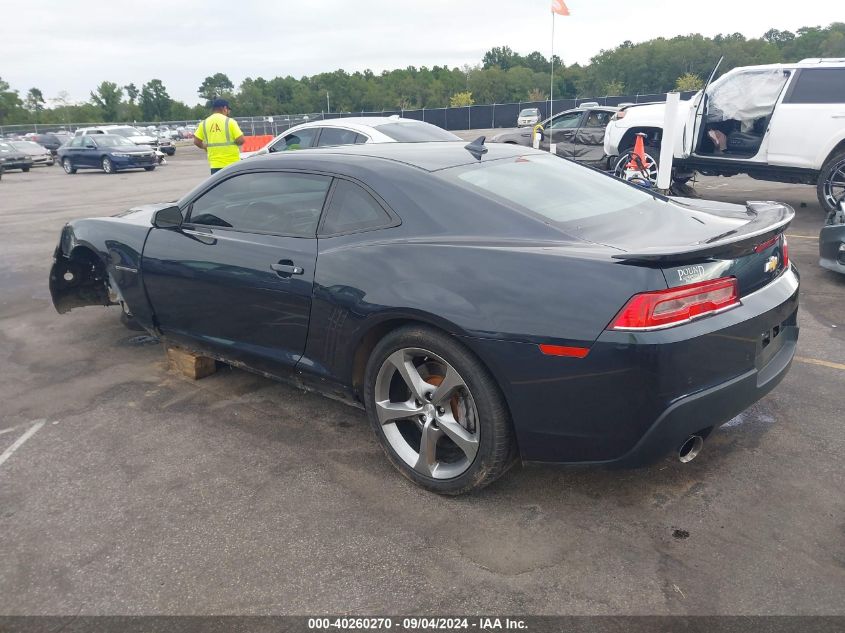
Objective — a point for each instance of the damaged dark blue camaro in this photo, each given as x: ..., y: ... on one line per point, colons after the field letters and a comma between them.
x: 484, y: 304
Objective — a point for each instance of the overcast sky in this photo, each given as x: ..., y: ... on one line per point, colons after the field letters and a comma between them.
x: 59, y: 45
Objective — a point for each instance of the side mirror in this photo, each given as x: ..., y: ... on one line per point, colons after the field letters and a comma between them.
x: 168, y: 218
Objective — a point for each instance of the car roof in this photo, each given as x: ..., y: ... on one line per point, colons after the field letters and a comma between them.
x: 813, y: 62
x: 429, y: 156
x: 362, y: 123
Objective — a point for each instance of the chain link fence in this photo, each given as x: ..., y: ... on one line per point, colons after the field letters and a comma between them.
x: 495, y: 115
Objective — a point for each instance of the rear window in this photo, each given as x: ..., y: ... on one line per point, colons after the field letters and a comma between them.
x: 415, y: 132
x: 818, y: 85
x: 555, y: 189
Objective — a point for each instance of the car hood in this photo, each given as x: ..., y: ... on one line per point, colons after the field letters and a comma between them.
x: 131, y: 150
x: 36, y: 152
x: 12, y: 155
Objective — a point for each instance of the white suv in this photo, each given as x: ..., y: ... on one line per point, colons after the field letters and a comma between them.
x: 780, y: 122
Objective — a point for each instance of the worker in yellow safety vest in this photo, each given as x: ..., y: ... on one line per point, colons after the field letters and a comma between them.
x: 220, y: 137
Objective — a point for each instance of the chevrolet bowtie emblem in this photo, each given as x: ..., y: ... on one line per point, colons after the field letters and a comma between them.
x: 771, y: 264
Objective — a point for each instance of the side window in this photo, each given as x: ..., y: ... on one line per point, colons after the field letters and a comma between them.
x: 335, y: 136
x: 302, y: 139
x: 76, y: 141
x: 565, y: 121
x: 360, y: 139
x: 267, y: 202
x: 353, y: 209
x: 818, y: 85
x: 597, y: 119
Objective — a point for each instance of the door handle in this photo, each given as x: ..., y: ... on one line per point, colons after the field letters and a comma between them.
x: 838, y: 116
x: 286, y: 267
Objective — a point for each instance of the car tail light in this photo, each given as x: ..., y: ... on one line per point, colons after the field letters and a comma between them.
x: 785, y: 253
x: 665, y: 308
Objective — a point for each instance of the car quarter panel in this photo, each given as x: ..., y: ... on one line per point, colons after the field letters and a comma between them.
x: 606, y: 406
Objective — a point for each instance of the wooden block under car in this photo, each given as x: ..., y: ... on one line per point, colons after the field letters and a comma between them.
x: 190, y: 364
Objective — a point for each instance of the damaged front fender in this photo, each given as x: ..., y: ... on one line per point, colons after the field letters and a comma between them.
x: 78, y: 279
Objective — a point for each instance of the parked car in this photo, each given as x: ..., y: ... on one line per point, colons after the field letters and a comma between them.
x: 354, y: 131
x: 578, y: 134
x: 40, y: 155
x: 51, y: 141
x: 109, y: 152
x: 13, y: 158
x: 477, y: 318
x: 133, y: 134
x: 528, y: 116
x: 779, y: 122
x: 832, y: 238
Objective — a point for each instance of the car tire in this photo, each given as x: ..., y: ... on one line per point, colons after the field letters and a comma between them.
x: 68, y: 166
x: 150, y: 168
x: 107, y: 165
x: 652, y: 154
x: 25, y: 169
x: 467, y: 427
x: 830, y: 188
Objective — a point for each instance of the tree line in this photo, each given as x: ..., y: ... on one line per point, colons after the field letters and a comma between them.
x: 502, y: 76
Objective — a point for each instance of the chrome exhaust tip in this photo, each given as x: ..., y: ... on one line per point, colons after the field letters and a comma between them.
x: 690, y: 448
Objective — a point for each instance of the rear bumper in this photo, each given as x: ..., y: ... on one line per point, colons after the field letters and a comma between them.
x: 17, y: 164
x: 638, y: 395
x: 711, y: 408
x: 832, y: 248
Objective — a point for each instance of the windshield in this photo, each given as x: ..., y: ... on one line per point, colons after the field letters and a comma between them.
x: 109, y: 140
x: 530, y: 112
x: 415, y: 132
x: 126, y: 131
x: 6, y: 147
x: 555, y: 189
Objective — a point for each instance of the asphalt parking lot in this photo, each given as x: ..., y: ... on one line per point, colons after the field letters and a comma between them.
x: 133, y: 490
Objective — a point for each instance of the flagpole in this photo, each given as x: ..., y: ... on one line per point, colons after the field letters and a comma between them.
x: 552, y: 81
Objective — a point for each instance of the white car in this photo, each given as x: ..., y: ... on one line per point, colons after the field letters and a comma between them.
x: 354, y: 131
x: 39, y: 154
x: 779, y: 122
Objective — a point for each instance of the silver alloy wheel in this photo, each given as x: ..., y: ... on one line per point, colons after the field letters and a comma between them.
x: 427, y: 413
x: 834, y: 186
x: 107, y: 165
x: 66, y: 165
x: 650, y: 165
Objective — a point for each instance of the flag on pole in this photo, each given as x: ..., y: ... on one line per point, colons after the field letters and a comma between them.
x: 559, y: 7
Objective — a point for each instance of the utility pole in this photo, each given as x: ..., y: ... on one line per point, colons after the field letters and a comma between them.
x: 328, y: 107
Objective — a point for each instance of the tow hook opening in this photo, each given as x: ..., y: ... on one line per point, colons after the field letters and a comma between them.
x: 690, y: 449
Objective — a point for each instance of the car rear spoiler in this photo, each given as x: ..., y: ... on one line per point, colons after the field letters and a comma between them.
x: 766, y: 219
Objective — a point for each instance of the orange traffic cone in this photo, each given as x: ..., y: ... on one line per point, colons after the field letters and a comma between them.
x: 637, y: 162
